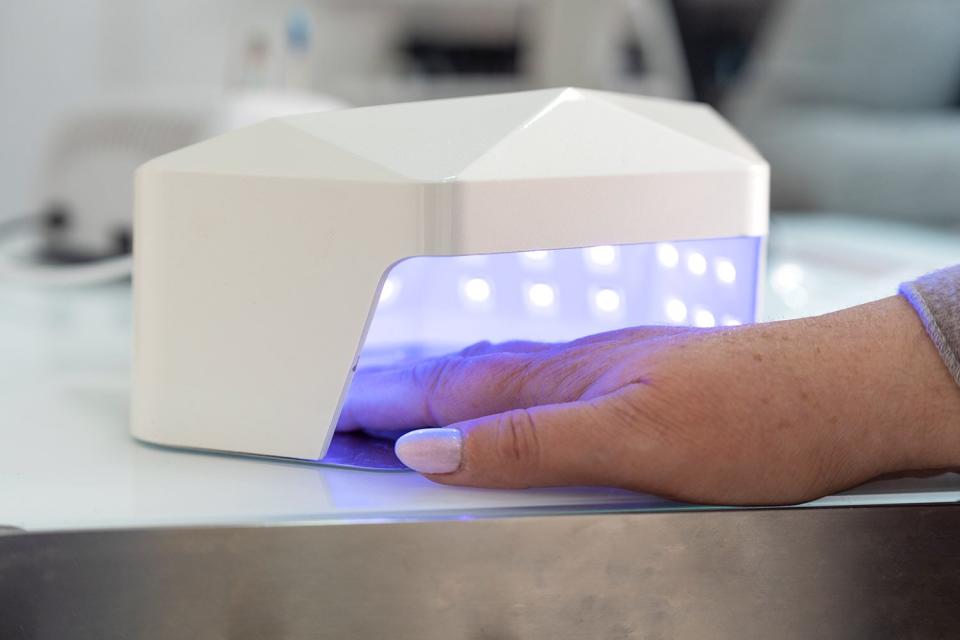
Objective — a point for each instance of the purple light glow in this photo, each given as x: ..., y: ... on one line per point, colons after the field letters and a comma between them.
x: 432, y: 305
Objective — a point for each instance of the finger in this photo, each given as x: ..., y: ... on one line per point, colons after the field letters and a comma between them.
x: 441, y: 391
x: 372, y: 384
x: 511, y: 346
x: 486, y: 347
x: 477, y: 349
x: 628, y: 334
x: 631, y: 334
x: 450, y: 389
x: 577, y: 443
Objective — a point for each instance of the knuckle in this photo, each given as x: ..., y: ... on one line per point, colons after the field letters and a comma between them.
x: 478, y: 348
x: 572, y: 372
x: 434, y: 379
x: 517, y: 439
x: 430, y: 375
x: 504, y: 374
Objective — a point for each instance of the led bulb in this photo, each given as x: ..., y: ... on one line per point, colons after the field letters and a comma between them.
x: 697, y: 264
x: 476, y: 290
x: 726, y: 272
x: 607, y: 300
x: 602, y: 256
x: 730, y: 321
x: 796, y: 298
x: 676, y: 310
x: 703, y: 318
x: 388, y: 291
x: 536, y: 257
x: 472, y: 261
x: 667, y: 255
x: 541, y: 295
x: 787, y: 277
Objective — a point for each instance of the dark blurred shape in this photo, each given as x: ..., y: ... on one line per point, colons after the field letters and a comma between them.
x: 437, y: 56
x: 57, y: 217
x: 634, y: 57
x: 123, y: 240
x: 717, y: 38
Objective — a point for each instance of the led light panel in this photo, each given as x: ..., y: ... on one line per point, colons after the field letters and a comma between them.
x: 432, y: 305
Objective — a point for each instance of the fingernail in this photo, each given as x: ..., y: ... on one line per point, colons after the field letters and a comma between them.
x: 431, y: 450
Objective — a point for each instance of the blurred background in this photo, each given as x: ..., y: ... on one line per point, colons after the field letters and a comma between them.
x: 856, y: 104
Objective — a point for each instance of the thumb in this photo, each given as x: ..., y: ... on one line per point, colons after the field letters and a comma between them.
x: 573, y: 443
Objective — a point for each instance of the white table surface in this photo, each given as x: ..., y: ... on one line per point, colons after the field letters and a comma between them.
x: 67, y: 461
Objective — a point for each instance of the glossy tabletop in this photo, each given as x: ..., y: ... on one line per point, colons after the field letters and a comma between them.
x: 67, y: 461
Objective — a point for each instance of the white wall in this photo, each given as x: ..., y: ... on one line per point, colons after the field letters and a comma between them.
x: 48, y: 58
x: 55, y: 54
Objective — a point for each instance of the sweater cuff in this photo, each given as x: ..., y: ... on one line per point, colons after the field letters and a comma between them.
x: 936, y: 299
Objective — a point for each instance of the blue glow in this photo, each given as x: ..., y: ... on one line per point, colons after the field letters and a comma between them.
x: 435, y: 304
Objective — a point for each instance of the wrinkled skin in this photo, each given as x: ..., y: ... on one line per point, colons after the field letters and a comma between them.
x: 764, y: 414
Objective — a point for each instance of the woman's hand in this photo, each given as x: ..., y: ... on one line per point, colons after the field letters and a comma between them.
x: 763, y: 414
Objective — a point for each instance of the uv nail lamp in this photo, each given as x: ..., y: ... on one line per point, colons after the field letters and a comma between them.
x: 271, y: 260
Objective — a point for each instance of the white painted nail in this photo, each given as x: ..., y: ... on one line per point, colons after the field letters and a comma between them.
x: 431, y: 450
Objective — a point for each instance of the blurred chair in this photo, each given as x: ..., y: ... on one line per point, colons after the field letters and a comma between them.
x: 854, y: 104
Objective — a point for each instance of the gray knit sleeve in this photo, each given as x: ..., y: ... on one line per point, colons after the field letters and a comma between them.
x: 936, y: 298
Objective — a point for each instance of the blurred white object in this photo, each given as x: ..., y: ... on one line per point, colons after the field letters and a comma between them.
x: 88, y: 172
x: 261, y: 254
x: 86, y: 207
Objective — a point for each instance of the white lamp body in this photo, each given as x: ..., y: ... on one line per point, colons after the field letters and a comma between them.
x: 260, y: 255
